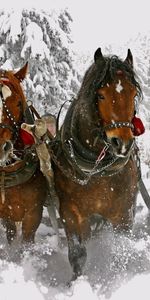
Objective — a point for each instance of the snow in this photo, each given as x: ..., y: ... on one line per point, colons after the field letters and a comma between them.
x: 8, y: 64
x: 15, y: 28
x: 137, y: 288
x: 11, y: 23
x: 34, y: 41
x: 44, y: 40
x: 15, y: 286
x: 118, y: 267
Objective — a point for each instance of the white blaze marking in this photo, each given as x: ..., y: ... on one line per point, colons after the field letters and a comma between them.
x: 6, y: 93
x: 119, y: 87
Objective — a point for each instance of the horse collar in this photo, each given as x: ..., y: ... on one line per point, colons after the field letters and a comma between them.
x: 86, y: 169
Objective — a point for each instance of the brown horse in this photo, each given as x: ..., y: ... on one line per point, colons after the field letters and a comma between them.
x: 23, y: 188
x: 94, y: 164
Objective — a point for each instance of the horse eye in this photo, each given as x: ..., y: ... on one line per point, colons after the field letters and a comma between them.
x: 100, y: 97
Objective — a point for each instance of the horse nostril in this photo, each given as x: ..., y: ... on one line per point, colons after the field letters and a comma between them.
x: 7, y: 146
x: 121, y: 147
x: 116, y: 142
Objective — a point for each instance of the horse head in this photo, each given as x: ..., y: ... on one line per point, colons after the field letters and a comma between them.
x: 116, y: 92
x: 12, y: 106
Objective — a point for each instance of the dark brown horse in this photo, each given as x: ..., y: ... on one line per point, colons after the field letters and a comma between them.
x: 23, y: 188
x: 95, y: 169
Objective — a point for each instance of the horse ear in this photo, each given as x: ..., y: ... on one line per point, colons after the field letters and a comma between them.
x: 21, y: 74
x: 129, y: 58
x: 98, y: 55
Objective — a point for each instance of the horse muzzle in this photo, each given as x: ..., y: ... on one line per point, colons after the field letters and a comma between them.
x: 6, y: 150
x: 120, y: 147
x: 120, y: 137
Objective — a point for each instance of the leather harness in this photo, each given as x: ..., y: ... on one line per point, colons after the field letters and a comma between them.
x: 22, y: 170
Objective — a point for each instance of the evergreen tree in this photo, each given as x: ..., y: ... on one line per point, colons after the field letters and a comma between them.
x: 44, y: 40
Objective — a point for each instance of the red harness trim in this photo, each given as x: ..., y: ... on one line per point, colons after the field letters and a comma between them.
x: 138, y: 126
x: 26, y: 137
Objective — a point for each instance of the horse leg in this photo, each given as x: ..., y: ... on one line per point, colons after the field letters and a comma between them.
x: 10, y: 230
x: 77, y: 254
x: 31, y: 223
x: 77, y: 231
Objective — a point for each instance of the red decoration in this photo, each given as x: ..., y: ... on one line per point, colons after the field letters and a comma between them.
x: 26, y: 137
x: 138, y: 126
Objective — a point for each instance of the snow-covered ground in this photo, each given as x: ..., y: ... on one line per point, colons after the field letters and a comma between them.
x: 118, y: 267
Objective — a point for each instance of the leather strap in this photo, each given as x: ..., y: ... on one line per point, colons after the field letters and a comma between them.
x: 144, y: 193
x: 17, y: 173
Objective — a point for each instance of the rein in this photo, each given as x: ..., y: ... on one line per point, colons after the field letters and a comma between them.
x: 59, y: 113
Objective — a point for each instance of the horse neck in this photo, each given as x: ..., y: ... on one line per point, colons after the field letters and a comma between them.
x: 80, y: 126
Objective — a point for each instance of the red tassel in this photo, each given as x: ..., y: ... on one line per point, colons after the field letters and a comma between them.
x: 138, y: 126
x: 26, y: 137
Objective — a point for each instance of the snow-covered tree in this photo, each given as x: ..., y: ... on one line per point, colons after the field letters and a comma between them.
x: 140, y: 47
x: 44, y: 40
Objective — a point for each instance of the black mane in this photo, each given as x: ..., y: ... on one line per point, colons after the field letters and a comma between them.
x: 103, y: 72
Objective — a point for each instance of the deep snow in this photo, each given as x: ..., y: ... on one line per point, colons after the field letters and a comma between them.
x: 117, y: 266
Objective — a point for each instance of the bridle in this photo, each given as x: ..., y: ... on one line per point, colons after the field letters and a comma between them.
x: 14, y: 128
x: 118, y: 125
x: 114, y: 125
x: 77, y: 154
